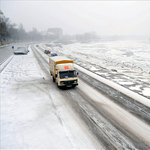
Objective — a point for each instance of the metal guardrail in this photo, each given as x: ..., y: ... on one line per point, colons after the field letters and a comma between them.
x: 5, y: 53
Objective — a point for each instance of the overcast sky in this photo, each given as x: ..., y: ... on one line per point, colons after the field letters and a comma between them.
x: 76, y: 17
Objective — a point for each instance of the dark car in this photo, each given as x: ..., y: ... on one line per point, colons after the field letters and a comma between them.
x: 47, y: 51
x: 53, y: 54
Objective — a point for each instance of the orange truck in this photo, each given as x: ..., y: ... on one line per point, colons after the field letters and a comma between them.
x: 63, y: 72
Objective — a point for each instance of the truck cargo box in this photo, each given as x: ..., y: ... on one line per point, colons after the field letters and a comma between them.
x: 62, y: 71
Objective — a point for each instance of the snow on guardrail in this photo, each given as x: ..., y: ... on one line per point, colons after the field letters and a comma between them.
x: 117, y: 87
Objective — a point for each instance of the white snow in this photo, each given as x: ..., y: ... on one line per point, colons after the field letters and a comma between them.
x: 127, y: 92
x: 120, y: 115
x: 128, y: 59
x: 93, y: 68
x: 34, y: 114
x: 123, y: 90
x: 126, y: 83
x: 2, y: 66
x: 146, y: 91
x: 130, y: 122
x: 135, y: 87
x: 110, y: 54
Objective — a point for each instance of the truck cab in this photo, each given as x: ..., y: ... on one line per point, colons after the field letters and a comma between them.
x: 66, y: 75
x: 63, y: 71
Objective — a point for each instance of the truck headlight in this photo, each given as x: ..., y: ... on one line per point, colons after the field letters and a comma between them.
x: 75, y: 81
x: 61, y: 82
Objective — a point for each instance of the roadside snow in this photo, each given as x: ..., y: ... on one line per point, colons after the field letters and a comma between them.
x: 2, y: 66
x: 146, y: 91
x: 120, y: 115
x: 127, y: 92
x: 34, y: 114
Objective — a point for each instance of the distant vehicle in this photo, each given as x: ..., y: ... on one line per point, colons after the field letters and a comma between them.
x: 53, y: 54
x: 47, y: 51
x: 63, y: 71
x: 21, y: 50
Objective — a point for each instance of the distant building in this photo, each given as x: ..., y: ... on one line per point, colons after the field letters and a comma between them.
x: 57, y: 33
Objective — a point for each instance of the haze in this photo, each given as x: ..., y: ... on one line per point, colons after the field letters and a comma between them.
x: 77, y: 17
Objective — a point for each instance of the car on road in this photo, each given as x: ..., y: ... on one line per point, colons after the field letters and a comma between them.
x: 53, y: 54
x: 47, y: 51
x: 21, y: 50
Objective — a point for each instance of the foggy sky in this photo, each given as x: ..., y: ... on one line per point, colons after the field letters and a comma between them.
x: 77, y: 17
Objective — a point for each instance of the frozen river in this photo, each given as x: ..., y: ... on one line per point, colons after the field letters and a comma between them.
x: 134, y: 55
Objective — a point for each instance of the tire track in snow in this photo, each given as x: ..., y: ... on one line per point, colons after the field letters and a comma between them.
x: 128, y: 145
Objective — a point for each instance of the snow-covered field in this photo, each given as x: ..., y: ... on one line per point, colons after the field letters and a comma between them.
x: 124, y: 62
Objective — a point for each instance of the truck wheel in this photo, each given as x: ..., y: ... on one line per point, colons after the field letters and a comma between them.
x: 73, y: 86
x: 58, y: 85
x: 53, y: 79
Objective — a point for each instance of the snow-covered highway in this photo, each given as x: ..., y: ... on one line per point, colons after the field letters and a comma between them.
x: 36, y: 114
x: 117, y: 113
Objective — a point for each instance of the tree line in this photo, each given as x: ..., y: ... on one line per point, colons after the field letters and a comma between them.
x: 9, y: 32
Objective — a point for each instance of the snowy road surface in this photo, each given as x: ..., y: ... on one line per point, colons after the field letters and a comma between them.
x: 34, y: 114
x: 129, y: 122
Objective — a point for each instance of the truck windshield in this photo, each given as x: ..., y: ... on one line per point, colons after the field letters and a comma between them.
x: 67, y: 74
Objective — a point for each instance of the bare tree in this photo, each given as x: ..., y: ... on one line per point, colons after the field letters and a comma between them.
x: 4, y: 34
